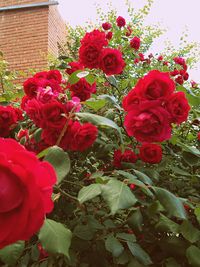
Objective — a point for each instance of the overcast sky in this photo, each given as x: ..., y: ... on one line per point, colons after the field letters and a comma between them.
x: 175, y: 15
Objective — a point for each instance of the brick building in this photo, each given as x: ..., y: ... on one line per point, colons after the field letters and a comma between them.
x: 29, y: 31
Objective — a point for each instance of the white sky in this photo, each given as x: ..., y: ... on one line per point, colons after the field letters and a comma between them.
x: 175, y: 15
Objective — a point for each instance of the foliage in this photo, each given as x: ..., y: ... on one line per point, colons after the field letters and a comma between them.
x: 98, y: 218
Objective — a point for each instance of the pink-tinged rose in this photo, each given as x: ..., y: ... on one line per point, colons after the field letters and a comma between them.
x: 25, y: 195
x: 119, y: 157
x: 111, y: 61
x: 45, y: 95
x: 121, y: 22
x: 73, y: 105
x: 155, y: 85
x: 178, y: 107
x: 148, y: 123
x: 150, y: 153
x: 106, y: 26
x: 135, y: 43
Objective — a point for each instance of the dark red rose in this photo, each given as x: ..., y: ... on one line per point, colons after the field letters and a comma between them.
x: 82, y: 89
x: 33, y: 110
x: 54, y: 76
x: 127, y: 156
x: 155, y: 85
x: 180, y: 61
x: 109, y: 35
x: 141, y: 56
x: 52, y: 115
x: 106, y: 26
x: 41, y: 75
x: 131, y: 101
x: 135, y: 43
x: 129, y: 31
x: 121, y: 22
x: 136, y: 60
x: 174, y: 72
x: 31, y: 86
x: 111, y: 61
x: 185, y: 76
x: 26, y: 196
x: 8, y: 120
x: 177, y: 105
x: 74, y: 66
x: 160, y: 58
x: 149, y: 122
x: 179, y: 80
x: 89, y: 55
x: 150, y: 153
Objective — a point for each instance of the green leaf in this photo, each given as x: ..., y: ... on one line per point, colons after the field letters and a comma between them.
x: 171, y: 263
x: 59, y: 160
x: 197, y: 213
x: 89, y: 192
x: 100, y: 121
x: 55, y: 237
x: 43, y: 153
x: 192, y: 255
x: 190, y: 149
x: 135, y: 263
x: 135, y: 220
x: 82, y: 74
x: 10, y: 254
x: 170, y: 202
x: 190, y: 158
x: 166, y: 225
x: 139, y: 253
x: 126, y: 237
x: 74, y: 78
x: 192, y: 98
x: 143, y: 177
x: 110, y: 99
x: 83, y: 232
x: 95, y: 104
x: 114, y: 246
x: 112, y: 80
x: 189, y: 232
x: 118, y: 196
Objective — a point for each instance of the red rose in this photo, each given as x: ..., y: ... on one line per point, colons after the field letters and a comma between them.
x: 52, y: 115
x: 25, y: 195
x: 33, y: 110
x: 31, y: 86
x: 111, y: 61
x: 135, y: 43
x: 121, y: 22
x: 160, y: 58
x: 198, y: 136
x: 82, y: 89
x: 131, y: 101
x: 8, y: 120
x: 148, y: 123
x: 54, y: 76
x: 129, y: 31
x: 97, y: 37
x: 180, y: 61
x: 179, y: 80
x: 185, y: 76
x: 155, y: 85
x: 89, y: 55
x: 109, y: 35
x: 174, y: 72
x: 106, y: 26
x: 41, y: 75
x: 150, y: 153
x: 127, y: 156
x: 74, y: 66
x: 178, y: 107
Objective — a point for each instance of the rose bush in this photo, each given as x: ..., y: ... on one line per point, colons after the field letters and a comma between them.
x: 120, y: 126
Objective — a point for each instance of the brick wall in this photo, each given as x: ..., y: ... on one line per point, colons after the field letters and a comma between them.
x: 28, y: 35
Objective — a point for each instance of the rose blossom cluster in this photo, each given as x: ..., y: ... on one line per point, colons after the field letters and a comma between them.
x: 94, y: 53
x: 152, y: 106
x: 48, y: 107
x: 182, y: 74
x: 9, y: 117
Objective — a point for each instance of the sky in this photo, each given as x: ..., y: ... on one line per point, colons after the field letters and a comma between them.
x: 174, y: 15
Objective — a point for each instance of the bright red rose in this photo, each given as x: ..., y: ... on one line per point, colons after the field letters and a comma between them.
x: 127, y: 156
x: 54, y: 76
x: 74, y: 66
x: 106, y: 26
x: 150, y: 153
x: 52, y: 115
x: 25, y: 195
x: 121, y: 22
x: 177, y: 105
x: 155, y: 85
x: 131, y: 101
x: 82, y: 89
x: 109, y: 35
x: 111, y: 61
x: 179, y: 80
x: 135, y: 43
x: 149, y: 122
x: 96, y: 37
